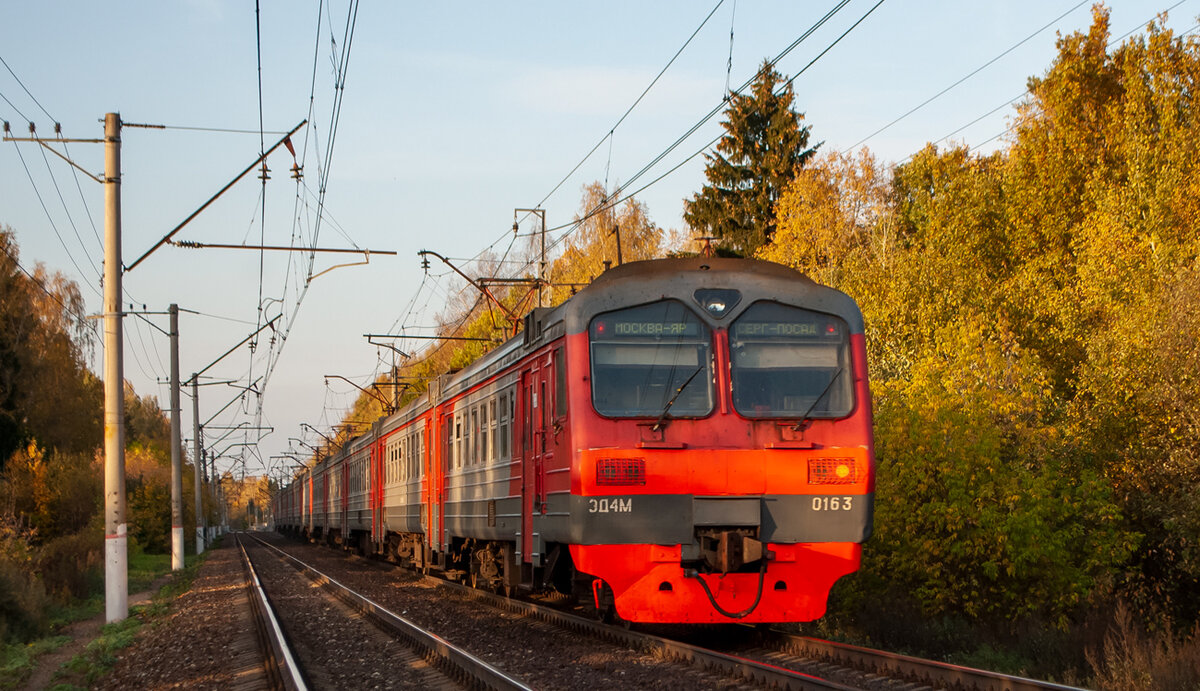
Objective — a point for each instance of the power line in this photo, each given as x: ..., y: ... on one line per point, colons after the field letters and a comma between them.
x: 66, y: 210
x: 83, y: 200
x: 220, y: 130
x: 645, y: 91
x: 974, y: 72
x: 50, y: 219
x: 38, y: 282
x: 14, y: 107
x: 262, y: 147
x: 717, y: 109
x: 341, y: 66
x: 613, y: 200
x: 1016, y: 98
x: 22, y: 84
x: 607, y: 137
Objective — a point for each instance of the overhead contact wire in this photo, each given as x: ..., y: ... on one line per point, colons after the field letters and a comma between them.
x: 974, y: 72
x: 616, y: 200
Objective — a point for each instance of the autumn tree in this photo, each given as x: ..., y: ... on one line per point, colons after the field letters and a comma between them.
x: 763, y: 147
x: 50, y: 433
x: 1127, y: 306
x: 606, y: 233
x: 47, y: 392
x: 1032, y: 327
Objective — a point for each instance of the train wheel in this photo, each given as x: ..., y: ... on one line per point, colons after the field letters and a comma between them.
x: 486, y: 567
x: 605, y: 602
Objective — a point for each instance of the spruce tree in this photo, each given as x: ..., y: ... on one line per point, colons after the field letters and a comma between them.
x: 763, y: 147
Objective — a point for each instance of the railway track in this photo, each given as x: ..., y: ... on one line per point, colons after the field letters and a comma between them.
x: 353, y: 642
x: 785, y: 660
x: 281, y: 666
x: 736, y: 666
x: 549, y: 659
x: 931, y: 673
x: 772, y: 659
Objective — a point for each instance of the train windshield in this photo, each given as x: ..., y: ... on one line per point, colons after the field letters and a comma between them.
x: 650, y: 359
x: 790, y: 363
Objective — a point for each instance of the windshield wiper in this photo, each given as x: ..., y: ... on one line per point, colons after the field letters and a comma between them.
x: 658, y: 424
x: 804, y: 419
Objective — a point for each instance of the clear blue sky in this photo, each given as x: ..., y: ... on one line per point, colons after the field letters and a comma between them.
x: 452, y: 115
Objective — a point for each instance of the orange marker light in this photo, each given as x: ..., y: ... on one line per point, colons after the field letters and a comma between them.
x: 832, y: 471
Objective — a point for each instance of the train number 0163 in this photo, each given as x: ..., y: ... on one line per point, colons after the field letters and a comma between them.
x: 832, y: 503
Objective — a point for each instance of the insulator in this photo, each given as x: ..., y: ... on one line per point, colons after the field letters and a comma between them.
x: 58, y: 128
x: 7, y: 127
x: 32, y: 128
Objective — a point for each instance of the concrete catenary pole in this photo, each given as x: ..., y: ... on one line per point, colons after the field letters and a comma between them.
x: 116, y: 565
x: 176, y: 450
x: 198, y: 464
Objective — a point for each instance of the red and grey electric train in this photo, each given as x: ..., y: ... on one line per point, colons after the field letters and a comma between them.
x: 683, y: 441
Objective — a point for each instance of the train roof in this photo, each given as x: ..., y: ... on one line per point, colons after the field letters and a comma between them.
x: 637, y: 283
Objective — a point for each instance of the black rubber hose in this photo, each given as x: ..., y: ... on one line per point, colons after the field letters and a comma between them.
x: 762, y: 574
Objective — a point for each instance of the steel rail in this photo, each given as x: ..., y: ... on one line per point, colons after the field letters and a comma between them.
x: 913, y: 669
x: 459, y: 662
x: 753, y: 671
x: 281, y: 665
x: 942, y: 674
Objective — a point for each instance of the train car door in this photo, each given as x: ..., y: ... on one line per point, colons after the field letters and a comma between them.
x: 431, y: 465
x: 543, y: 454
x: 344, y: 496
x: 325, y: 514
x: 522, y: 432
x: 306, y: 511
x: 375, y: 489
x: 442, y: 465
x: 533, y: 414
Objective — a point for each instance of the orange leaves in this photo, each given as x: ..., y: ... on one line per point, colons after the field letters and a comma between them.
x: 832, y: 210
x: 595, y: 242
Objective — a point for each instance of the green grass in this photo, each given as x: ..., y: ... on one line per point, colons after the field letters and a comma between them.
x: 989, y: 657
x: 144, y: 568
x: 17, y: 659
x: 76, y: 610
x: 100, y: 655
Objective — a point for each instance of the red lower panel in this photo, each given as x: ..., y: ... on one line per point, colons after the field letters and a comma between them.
x: 795, y: 588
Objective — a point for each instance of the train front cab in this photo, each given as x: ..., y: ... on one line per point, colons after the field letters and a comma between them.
x: 725, y: 465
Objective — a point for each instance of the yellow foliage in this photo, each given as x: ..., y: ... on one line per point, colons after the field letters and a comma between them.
x: 835, y: 208
x: 594, y: 242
